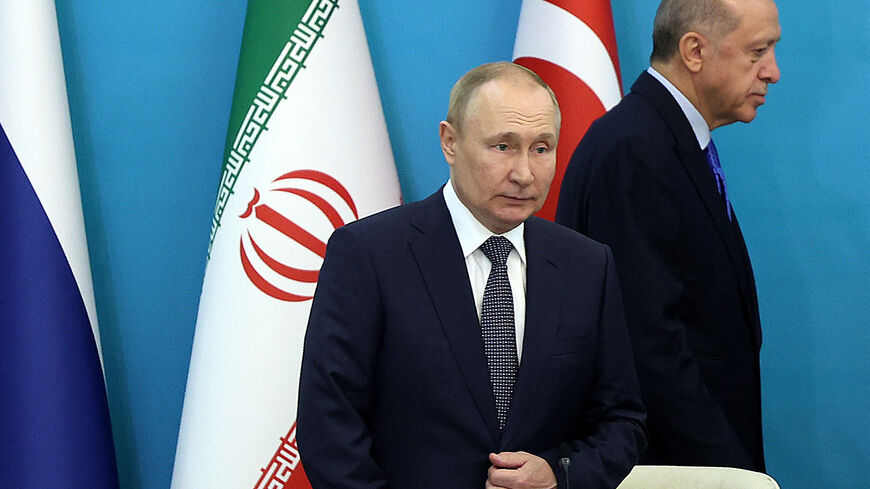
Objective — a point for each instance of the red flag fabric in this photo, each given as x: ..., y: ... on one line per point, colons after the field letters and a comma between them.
x: 571, y: 44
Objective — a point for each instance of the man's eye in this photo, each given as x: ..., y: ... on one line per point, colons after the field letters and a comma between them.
x: 502, y: 147
x: 541, y: 150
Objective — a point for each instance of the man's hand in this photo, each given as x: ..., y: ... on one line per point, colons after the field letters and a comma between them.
x: 519, y: 470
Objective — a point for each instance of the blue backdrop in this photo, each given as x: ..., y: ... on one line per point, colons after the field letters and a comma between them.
x: 150, y: 87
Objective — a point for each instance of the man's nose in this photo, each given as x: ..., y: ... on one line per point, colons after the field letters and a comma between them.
x: 521, y: 173
x: 770, y: 70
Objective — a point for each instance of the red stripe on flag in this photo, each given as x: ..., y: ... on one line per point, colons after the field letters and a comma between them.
x: 290, y: 229
x: 580, y: 107
x: 321, y: 203
x: 307, y: 276
x: 598, y: 15
x: 323, y: 179
x: 285, y: 470
x: 262, y: 284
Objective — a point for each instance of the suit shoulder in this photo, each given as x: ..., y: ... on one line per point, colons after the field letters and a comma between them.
x: 633, y: 121
x: 397, y: 224
x: 576, y: 254
x: 379, y: 225
x: 632, y: 135
x: 564, y: 239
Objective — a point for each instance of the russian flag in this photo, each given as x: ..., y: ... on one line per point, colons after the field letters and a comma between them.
x: 54, y: 417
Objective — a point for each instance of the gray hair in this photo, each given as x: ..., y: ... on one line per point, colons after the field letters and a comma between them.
x: 465, y: 88
x: 674, y: 18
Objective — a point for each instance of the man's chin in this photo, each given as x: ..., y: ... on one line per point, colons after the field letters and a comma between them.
x: 750, y: 112
x: 516, y: 216
x: 748, y: 117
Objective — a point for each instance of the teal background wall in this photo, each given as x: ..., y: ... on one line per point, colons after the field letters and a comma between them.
x: 150, y: 87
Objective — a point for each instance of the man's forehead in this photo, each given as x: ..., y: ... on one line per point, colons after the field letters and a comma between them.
x: 514, y: 118
x: 762, y: 33
x: 508, y: 98
x: 506, y: 83
x: 756, y: 26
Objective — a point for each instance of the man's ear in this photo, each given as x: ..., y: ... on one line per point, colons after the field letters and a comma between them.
x: 448, y: 136
x: 692, y: 47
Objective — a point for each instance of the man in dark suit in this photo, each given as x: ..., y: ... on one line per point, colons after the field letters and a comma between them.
x: 457, y: 342
x: 646, y: 180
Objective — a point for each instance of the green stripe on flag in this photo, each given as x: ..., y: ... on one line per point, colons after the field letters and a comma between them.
x: 279, y: 35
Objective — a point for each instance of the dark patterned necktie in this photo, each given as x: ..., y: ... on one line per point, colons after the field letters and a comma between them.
x: 497, y: 325
x: 713, y: 160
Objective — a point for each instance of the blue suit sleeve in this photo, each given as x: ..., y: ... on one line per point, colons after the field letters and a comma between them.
x: 337, y: 376
x: 614, y: 412
x: 629, y: 202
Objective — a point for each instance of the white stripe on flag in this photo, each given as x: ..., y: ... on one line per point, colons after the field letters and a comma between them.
x: 35, y: 115
x: 550, y: 33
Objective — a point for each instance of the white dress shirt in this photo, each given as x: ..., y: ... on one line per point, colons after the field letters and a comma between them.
x: 471, y: 235
x: 699, y: 125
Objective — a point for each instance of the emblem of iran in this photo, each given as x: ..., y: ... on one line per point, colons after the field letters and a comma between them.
x: 288, y: 225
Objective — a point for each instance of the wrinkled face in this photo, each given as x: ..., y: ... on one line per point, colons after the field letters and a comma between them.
x: 502, y: 162
x: 740, y: 66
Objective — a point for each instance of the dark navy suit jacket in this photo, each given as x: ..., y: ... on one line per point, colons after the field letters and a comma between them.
x: 639, y: 183
x: 395, y: 388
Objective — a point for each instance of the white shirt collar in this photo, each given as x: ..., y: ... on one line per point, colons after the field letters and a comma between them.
x: 471, y: 232
x: 699, y: 125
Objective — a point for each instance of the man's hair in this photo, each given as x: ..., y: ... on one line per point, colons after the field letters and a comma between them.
x: 674, y: 18
x: 464, y: 89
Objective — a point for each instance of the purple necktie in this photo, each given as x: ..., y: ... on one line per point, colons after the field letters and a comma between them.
x: 713, y: 160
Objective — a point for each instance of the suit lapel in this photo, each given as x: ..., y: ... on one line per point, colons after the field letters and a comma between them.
x: 695, y: 164
x: 704, y: 181
x: 542, y: 313
x: 752, y: 298
x: 442, y: 266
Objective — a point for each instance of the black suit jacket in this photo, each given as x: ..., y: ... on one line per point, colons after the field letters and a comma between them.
x: 395, y: 388
x: 639, y: 183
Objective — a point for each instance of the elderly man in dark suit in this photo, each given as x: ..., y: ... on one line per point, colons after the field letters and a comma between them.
x: 647, y: 181
x: 457, y: 342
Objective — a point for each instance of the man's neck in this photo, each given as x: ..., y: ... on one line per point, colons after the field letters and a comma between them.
x: 694, y: 116
x: 678, y: 78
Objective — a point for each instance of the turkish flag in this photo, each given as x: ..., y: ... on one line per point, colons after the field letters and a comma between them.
x: 571, y: 44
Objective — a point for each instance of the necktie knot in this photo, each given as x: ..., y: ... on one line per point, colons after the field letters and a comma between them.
x: 712, y: 157
x: 716, y: 167
x: 497, y: 249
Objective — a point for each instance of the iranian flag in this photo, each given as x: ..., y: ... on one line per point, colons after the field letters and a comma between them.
x: 572, y: 46
x: 306, y: 152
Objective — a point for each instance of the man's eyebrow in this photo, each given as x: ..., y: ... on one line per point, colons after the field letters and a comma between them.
x: 770, y: 41
x: 503, y: 135
x: 511, y: 135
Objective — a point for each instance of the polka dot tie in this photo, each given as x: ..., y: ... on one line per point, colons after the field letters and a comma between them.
x: 497, y: 325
